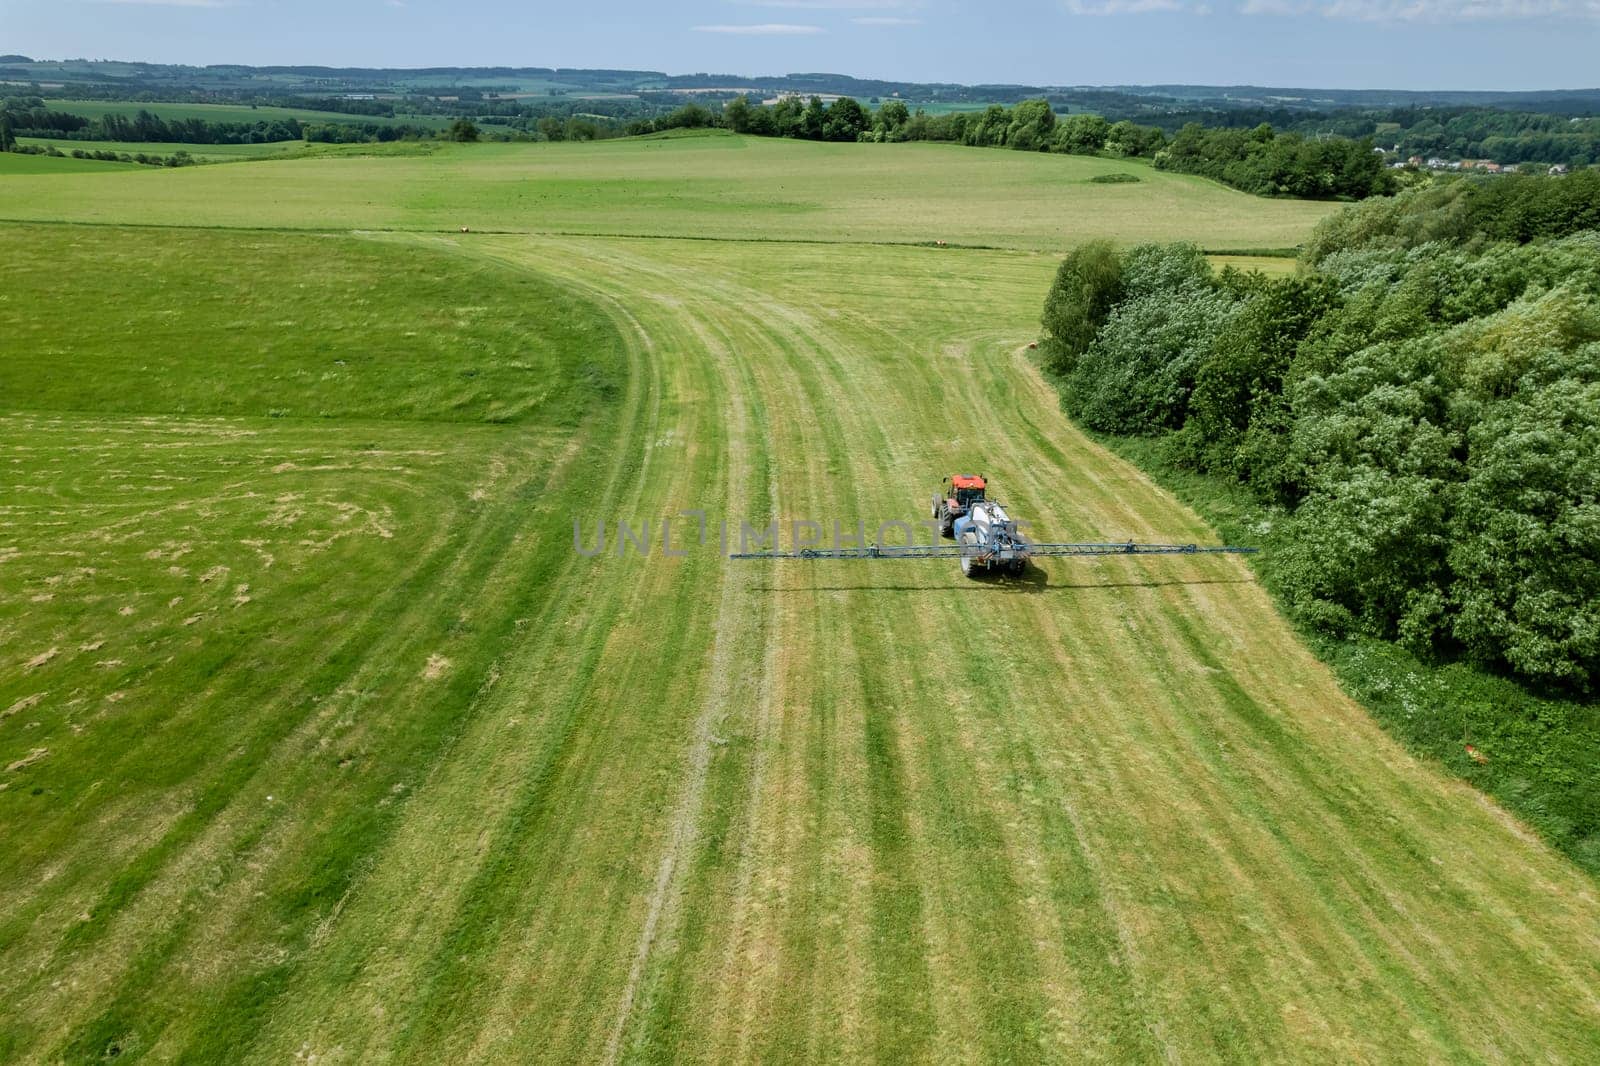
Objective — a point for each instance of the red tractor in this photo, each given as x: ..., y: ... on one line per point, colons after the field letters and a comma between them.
x: 957, y: 494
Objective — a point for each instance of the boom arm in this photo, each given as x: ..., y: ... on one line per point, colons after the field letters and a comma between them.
x: 957, y: 551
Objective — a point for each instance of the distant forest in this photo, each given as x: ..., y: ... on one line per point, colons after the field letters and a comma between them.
x: 225, y: 83
x: 1325, y: 144
x: 1259, y: 161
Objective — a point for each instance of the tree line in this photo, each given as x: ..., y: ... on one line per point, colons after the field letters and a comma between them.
x: 1472, y: 133
x: 179, y: 158
x: 145, y: 127
x: 148, y: 128
x: 1467, y: 213
x: 1267, y: 163
x: 1503, y: 136
x: 1498, y: 134
x: 1260, y: 161
x: 29, y: 117
x: 363, y: 132
x: 1420, y: 407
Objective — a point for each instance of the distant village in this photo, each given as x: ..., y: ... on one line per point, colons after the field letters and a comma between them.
x: 1481, y: 166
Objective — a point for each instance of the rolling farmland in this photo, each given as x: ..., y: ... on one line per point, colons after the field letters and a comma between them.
x: 322, y: 740
x: 215, y: 153
x: 240, y: 113
x: 11, y: 163
x: 695, y: 186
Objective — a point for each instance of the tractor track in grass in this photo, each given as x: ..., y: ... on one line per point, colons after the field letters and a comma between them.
x: 1275, y: 774
x: 733, y: 615
x: 701, y: 809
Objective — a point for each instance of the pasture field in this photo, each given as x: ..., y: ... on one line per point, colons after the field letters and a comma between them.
x: 1266, y: 264
x: 208, y: 152
x: 233, y: 113
x: 934, y: 107
x: 322, y: 742
x: 700, y: 186
x: 12, y: 163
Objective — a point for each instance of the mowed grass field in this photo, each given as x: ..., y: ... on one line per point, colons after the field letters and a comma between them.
x: 208, y: 152
x: 322, y: 742
x: 11, y: 163
x: 698, y: 186
x: 241, y: 113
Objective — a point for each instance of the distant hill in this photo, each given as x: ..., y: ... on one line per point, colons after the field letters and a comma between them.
x: 226, y: 82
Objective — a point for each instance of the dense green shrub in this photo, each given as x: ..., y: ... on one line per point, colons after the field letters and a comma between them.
x: 1088, y: 285
x: 1032, y: 123
x: 1538, y: 753
x: 1138, y: 372
x: 1424, y: 406
x: 1527, y: 529
x: 1268, y: 163
x: 1081, y: 134
x: 1467, y: 211
x: 1239, y: 386
x: 1261, y: 160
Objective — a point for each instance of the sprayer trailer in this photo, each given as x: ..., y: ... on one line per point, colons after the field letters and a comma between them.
x: 986, y: 538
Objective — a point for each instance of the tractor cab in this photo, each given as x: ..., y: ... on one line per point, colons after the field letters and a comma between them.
x: 957, y: 495
x: 965, y: 489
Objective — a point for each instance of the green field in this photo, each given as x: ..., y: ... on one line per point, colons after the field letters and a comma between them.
x: 322, y: 743
x: 703, y: 186
x: 208, y: 152
x: 934, y: 107
x: 11, y: 163
x: 1274, y: 264
x: 240, y: 113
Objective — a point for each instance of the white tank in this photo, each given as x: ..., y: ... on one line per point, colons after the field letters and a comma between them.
x: 989, y: 517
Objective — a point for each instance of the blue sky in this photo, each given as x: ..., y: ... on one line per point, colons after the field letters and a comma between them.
x: 1455, y: 44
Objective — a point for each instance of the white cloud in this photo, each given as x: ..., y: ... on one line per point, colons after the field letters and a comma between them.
x: 764, y: 29
x: 174, y: 3
x: 885, y: 20
x: 1426, y: 10
x: 1136, y: 7
x: 833, y: 5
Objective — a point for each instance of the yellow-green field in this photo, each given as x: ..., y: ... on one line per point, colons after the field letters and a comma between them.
x: 208, y: 152
x: 232, y: 113
x: 698, y: 186
x: 12, y: 163
x: 322, y: 743
x: 1265, y: 264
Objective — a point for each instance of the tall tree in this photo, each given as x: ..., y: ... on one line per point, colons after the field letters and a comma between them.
x: 846, y: 120
x: 788, y: 117
x: 813, y: 120
x: 1032, y: 122
x: 736, y: 114
x: 892, y: 118
x: 1081, y: 134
